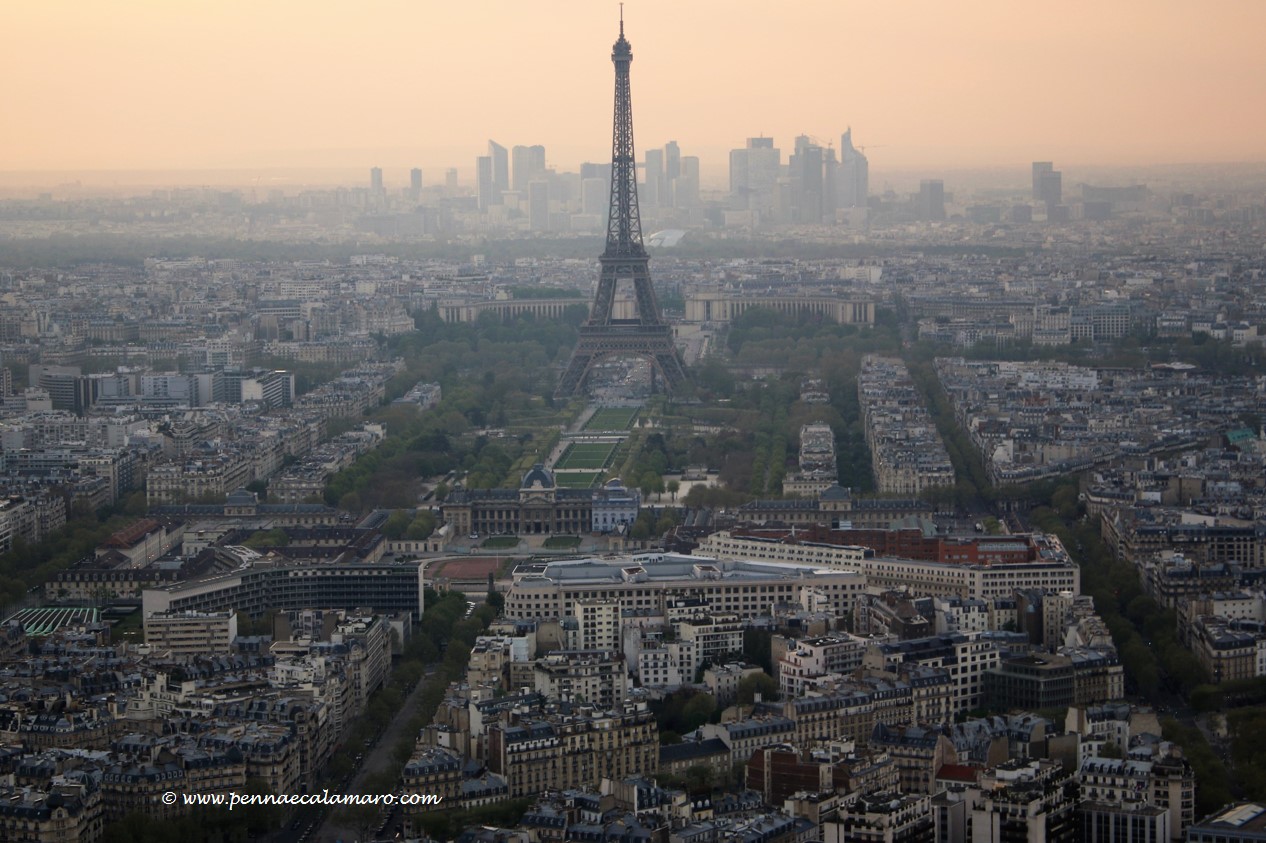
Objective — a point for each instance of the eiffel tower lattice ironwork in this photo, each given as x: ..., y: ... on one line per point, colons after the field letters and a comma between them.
x: 625, y: 258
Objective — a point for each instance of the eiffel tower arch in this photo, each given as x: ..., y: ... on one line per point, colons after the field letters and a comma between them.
x: 623, y: 260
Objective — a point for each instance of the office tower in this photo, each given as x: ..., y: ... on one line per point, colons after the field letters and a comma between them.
x: 854, y: 180
x: 806, y: 180
x: 485, y: 183
x: 624, y: 258
x: 538, y: 206
x: 593, y: 196
x: 931, y: 201
x: 415, y: 182
x: 654, y: 178
x: 672, y: 172
x: 740, y: 177
x: 450, y: 180
x: 528, y: 165
x: 375, y: 179
x: 1040, y: 169
x: 589, y: 170
x: 686, y: 192
x: 754, y: 176
x: 500, y: 170
x: 830, y: 184
x: 1048, y: 188
x: 1051, y: 189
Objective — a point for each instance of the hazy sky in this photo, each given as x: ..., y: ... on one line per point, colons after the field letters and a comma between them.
x: 194, y: 84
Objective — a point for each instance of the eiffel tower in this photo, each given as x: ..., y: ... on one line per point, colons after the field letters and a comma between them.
x: 624, y: 258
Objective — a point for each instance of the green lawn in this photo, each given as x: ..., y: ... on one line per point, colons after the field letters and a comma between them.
x: 577, y: 479
x: 130, y: 628
x: 500, y: 542
x: 612, y: 418
x: 561, y: 542
x: 590, y: 455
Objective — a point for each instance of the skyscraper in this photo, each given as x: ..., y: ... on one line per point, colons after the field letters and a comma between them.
x: 854, y: 182
x: 538, y: 205
x: 754, y: 175
x: 485, y: 183
x: 595, y: 188
x: 830, y: 184
x: 931, y: 200
x: 740, y: 177
x: 672, y: 172
x: 1048, y: 186
x: 528, y: 165
x: 375, y: 179
x: 1040, y: 168
x: 672, y: 160
x: 806, y: 180
x: 686, y: 191
x: 500, y: 170
x: 654, y: 193
x: 415, y: 182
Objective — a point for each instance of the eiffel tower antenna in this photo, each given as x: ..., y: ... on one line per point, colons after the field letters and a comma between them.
x: 602, y: 335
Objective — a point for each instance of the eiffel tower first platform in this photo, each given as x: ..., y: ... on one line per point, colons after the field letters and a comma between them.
x: 624, y: 259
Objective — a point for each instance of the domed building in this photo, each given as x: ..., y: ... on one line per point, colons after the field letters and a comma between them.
x: 538, y: 507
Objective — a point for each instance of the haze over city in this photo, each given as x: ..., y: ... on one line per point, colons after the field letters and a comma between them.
x: 140, y: 85
x: 393, y: 447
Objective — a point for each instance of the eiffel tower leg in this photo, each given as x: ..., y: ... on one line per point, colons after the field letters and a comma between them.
x: 669, y: 363
x: 574, y: 376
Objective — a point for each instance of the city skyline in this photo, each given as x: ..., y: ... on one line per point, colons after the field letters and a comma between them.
x: 400, y: 85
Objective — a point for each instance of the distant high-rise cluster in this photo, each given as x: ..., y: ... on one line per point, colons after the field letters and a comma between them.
x: 669, y: 180
x: 813, y: 186
x: 515, y: 186
x: 378, y: 190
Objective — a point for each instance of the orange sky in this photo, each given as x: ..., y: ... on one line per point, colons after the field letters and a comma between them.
x: 185, y: 84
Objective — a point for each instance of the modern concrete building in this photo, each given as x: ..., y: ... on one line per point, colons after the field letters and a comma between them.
x: 191, y: 633
x: 648, y: 583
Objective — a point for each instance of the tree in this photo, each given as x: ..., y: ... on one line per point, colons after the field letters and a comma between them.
x: 697, y: 711
x: 1111, y: 749
x: 397, y: 524
x: 495, y: 599
x: 699, y: 778
x: 757, y: 683
x: 758, y: 647
x: 673, y: 487
x: 267, y: 538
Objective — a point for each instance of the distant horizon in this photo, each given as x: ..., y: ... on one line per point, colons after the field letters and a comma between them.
x: 345, y: 176
x: 135, y: 85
